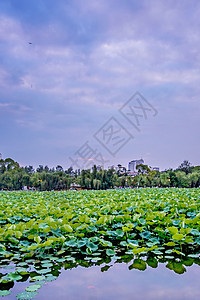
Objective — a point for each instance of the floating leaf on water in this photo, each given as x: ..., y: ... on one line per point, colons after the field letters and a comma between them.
x: 41, y: 282
x: 26, y: 295
x: 14, y: 276
x: 21, y: 264
x: 47, y: 265
x: 9, y: 267
x: 36, y: 278
x: 50, y: 278
x: 5, y: 293
x: 96, y: 259
x: 33, y: 288
x: 46, y: 261
x: 44, y: 271
x: 60, y: 260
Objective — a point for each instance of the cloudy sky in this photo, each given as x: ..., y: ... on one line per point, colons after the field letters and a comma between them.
x: 68, y: 68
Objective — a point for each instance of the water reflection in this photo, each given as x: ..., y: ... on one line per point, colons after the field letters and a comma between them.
x: 122, y: 278
x: 120, y: 283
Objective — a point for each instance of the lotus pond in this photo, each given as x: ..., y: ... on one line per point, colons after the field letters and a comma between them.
x: 44, y: 233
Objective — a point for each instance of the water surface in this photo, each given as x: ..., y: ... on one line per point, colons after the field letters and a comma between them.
x: 119, y: 283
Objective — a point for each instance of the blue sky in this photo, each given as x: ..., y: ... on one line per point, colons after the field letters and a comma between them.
x: 85, y: 60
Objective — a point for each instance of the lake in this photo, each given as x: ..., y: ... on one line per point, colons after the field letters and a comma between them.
x: 118, y: 283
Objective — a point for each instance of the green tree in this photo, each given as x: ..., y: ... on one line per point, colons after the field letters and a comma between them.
x: 183, y: 179
x: 185, y: 166
x: 165, y: 179
x: 142, y: 169
x: 193, y: 179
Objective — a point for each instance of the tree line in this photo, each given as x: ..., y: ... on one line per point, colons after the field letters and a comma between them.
x: 14, y: 177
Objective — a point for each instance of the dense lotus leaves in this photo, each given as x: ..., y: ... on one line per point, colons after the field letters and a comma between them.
x: 42, y: 231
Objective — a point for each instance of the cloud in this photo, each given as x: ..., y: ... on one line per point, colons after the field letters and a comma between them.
x: 88, y: 57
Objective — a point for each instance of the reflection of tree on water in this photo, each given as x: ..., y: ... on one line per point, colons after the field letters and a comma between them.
x: 39, y: 273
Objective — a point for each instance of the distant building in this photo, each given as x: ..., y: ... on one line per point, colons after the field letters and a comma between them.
x: 132, y: 174
x: 99, y: 168
x: 112, y: 167
x: 133, y: 164
x: 155, y: 169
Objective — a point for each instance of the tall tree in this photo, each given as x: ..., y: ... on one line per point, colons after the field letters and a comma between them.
x: 185, y: 166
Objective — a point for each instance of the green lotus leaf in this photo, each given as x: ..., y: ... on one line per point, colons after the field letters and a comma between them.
x: 37, y: 278
x: 14, y: 276
x: 44, y: 271
x: 67, y: 228
x: 26, y: 295
x: 33, y: 288
x: 5, y: 293
x: 37, y: 239
x: 71, y: 243
x: 81, y: 244
x: 139, y: 250
x: 50, y: 278
x: 93, y: 247
x: 110, y: 252
x: 145, y: 234
x: 123, y: 243
x: 172, y: 230
x: 170, y: 244
x: 47, y: 265
x: 178, y: 236
x: 195, y: 232
x: 120, y: 232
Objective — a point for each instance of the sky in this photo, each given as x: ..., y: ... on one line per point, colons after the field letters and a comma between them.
x: 100, y: 82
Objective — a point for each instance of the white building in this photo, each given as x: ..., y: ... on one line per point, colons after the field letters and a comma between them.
x: 133, y: 164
